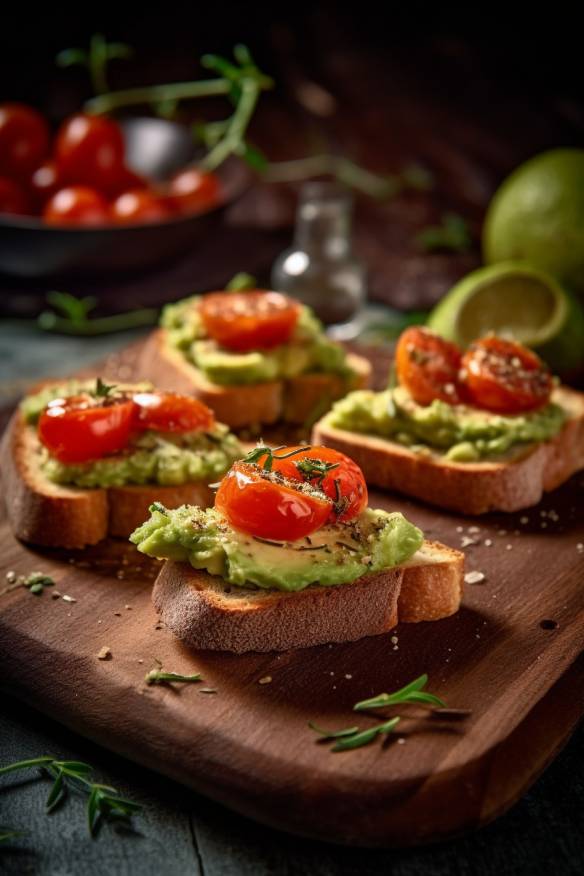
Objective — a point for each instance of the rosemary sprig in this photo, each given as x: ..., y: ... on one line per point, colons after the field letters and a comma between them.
x: 357, y: 740
x: 452, y: 234
x: 315, y: 469
x: 158, y: 676
x: 412, y: 693
x: 270, y: 453
x: 332, y: 734
x: 72, y: 317
x: 103, y: 801
x: 95, y: 59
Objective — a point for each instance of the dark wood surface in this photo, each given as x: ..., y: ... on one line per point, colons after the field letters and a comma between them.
x: 248, y: 746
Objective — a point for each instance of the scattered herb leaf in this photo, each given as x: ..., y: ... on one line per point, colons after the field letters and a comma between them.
x: 332, y: 734
x: 158, y: 506
x: 241, y: 283
x: 158, y: 676
x: 453, y: 234
x: 102, y: 390
x: 357, y: 740
x: 411, y: 693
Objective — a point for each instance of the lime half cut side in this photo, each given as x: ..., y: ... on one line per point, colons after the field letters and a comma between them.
x: 514, y: 300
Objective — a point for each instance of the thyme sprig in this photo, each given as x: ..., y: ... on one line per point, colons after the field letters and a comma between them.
x: 315, y: 469
x: 72, y: 317
x: 95, y: 59
x: 103, y: 801
x: 270, y: 453
x: 353, y: 737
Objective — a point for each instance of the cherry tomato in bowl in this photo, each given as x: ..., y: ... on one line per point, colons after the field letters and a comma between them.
x: 244, y: 321
x: 24, y: 140
x: 44, y: 182
x: 193, y: 191
x: 13, y: 198
x: 170, y: 412
x: 89, y: 151
x: 81, y: 428
x: 505, y: 377
x: 328, y: 470
x: 260, y: 506
x: 139, y: 205
x: 77, y: 205
x: 428, y: 366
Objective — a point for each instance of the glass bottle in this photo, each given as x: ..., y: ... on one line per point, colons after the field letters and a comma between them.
x: 319, y: 268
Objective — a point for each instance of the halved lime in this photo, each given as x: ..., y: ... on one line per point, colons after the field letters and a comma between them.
x: 515, y: 300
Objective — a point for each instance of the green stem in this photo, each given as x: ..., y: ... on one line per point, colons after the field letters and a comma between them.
x: 341, y: 168
x: 97, y: 64
x: 250, y: 91
x: 100, y: 325
x: 105, y: 103
x: 25, y: 764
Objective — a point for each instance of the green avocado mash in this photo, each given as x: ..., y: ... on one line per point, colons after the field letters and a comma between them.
x: 459, y: 432
x: 168, y: 459
x: 309, y: 350
x: 336, y: 554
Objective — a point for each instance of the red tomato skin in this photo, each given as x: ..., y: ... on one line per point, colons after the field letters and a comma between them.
x: 75, y: 432
x: 245, y: 321
x: 24, y: 140
x: 139, y: 206
x: 170, y: 412
x: 44, y: 183
x: 13, y: 198
x: 194, y: 191
x: 505, y: 377
x: 77, y: 206
x: 89, y: 150
x: 351, y: 482
x: 428, y: 366
x: 265, y: 509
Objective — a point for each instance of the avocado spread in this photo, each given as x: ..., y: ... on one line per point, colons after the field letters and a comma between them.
x: 458, y: 432
x: 309, y: 350
x: 336, y: 554
x: 168, y: 459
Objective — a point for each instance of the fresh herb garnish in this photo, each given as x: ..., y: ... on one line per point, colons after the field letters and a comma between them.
x: 241, y: 282
x: 159, y: 676
x: 36, y: 582
x: 73, y: 317
x: 411, y: 693
x: 102, y: 390
x: 315, y: 469
x: 95, y: 59
x: 103, y: 802
x: 270, y: 453
x: 353, y: 737
x: 453, y: 234
x: 158, y: 506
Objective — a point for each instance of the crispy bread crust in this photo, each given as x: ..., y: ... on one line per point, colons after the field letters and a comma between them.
x: 474, y: 487
x: 239, y: 406
x: 51, y: 515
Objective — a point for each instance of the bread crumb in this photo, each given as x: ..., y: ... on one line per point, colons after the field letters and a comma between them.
x: 118, y: 613
x: 474, y: 529
x: 11, y: 576
x: 488, y: 542
x: 348, y: 675
x: 466, y: 541
x: 524, y: 520
x: 509, y: 547
x: 502, y: 532
x: 56, y: 594
x: 459, y: 528
x: 580, y: 547
x: 474, y: 577
x: 128, y: 607
x: 66, y: 598
x: 266, y: 679
x: 105, y: 653
x: 401, y: 740
x: 394, y: 640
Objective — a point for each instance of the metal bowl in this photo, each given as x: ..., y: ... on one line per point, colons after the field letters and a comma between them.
x: 155, y: 148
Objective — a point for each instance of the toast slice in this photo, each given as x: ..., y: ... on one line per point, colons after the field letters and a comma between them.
x: 206, y: 613
x: 294, y: 400
x: 511, y: 484
x: 48, y: 514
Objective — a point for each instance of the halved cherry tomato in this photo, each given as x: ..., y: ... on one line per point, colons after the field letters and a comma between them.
x: 139, y: 205
x: 170, y: 412
x: 13, y: 198
x: 89, y: 151
x: 193, y: 191
x: 505, y: 377
x: 427, y: 366
x: 24, y: 139
x: 79, y: 428
x: 44, y: 183
x: 244, y: 321
x: 335, y: 474
x: 77, y: 205
x: 254, y: 502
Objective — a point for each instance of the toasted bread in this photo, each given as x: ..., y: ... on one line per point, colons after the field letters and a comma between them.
x: 294, y: 400
x: 48, y: 514
x: 206, y: 613
x: 510, y: 484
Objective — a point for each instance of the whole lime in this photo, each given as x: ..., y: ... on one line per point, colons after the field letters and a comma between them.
x: 537, y: 215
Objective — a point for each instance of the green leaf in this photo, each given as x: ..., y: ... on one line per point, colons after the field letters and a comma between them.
x: 241, y: 283
x: 93, y: 809
x: 56, y: 793
x: 254, y: 157
x: 102, y: 390
x: 410, y: 693
x: 453, y: 234
x: 333, y: 734
x: 26, y: 764
x: 366, y: 736
x: 76, y: 309
x: 8, y: 833
x: 242, y: 55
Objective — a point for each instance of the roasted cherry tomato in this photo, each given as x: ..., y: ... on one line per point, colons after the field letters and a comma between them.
x: 193, y: 191
x: 138, y: 206
x: 170, y: 412
x: 77, y: 205
x: 505, y: 377
x: 335, y: 474
x: 89, y: 151
x: 13, y: 198
x: 126, y: 181
x: 427, y: 366
x: 24, y: 139
x: 81, y: 428
x: 253, y: 501
x: 243, y: 321
x: 44, y: 183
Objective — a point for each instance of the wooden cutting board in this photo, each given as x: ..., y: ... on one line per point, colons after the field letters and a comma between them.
x: 512, y: 655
